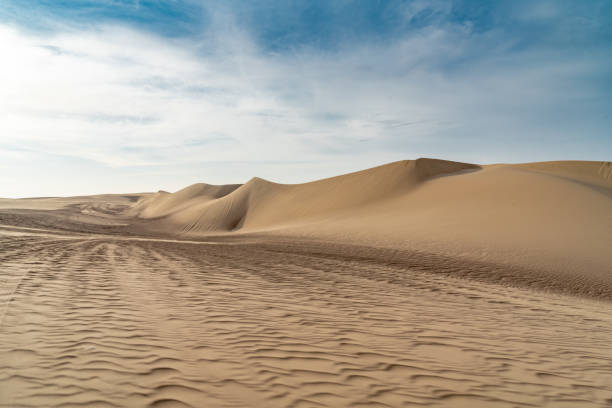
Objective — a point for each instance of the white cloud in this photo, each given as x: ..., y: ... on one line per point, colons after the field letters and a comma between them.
x: 123, y: 98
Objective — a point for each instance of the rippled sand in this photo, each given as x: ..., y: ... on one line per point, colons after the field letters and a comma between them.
x: 102, y: 321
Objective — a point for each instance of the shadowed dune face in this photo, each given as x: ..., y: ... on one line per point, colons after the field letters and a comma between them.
x: 163, y: 204
x: 260, y: 204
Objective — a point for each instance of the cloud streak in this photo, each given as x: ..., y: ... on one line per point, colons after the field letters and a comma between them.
x: 119, y: 96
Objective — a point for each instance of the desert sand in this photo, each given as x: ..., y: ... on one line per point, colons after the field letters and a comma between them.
x: 416, y: 283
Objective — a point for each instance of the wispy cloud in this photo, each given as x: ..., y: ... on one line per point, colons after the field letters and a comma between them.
x: 232, y: 87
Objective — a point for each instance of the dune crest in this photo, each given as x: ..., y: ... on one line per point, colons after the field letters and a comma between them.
x: 163, y: 203
x: 261, y: 204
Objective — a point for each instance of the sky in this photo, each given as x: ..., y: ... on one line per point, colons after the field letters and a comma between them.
x: 100, y: 96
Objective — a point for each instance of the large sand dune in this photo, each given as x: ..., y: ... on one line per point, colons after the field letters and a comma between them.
x: 553, y: 217
x: 417, y: 283
x: 260, y: 204
x: 163, y: 204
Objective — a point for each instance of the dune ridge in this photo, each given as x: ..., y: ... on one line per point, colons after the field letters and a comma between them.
x: 261, y: 204
x: 553, y: 217
x: 162, y: 203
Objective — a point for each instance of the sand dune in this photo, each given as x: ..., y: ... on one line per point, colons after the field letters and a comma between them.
x: 553, y: 217
x: 417, y: 283
x: 114, y: 202
x: 547, y: 216
x: 163, y: 203
x: 260, y: 204
x: 550, y: 220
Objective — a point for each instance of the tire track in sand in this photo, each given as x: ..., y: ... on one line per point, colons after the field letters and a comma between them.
x: 114, y: 323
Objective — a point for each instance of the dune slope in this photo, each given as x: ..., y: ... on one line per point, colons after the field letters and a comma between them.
x: 552, y: 218
x: 260, y: 204
x: 163, y: 203
x: 556, y: 215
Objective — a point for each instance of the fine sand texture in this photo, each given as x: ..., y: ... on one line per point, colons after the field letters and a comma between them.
x: 420, y: 283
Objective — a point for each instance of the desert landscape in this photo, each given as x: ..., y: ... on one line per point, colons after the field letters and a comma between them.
x: 418, y: 283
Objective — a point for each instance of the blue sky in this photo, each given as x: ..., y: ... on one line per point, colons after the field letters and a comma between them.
x: 118, y: 96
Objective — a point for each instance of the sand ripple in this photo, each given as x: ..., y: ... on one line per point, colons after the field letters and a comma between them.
x: 107, y: 322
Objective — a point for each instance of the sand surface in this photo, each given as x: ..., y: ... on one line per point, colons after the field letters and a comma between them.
x: 419, y: 283
x: 555, y: 217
